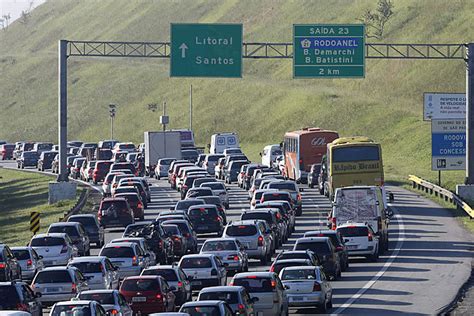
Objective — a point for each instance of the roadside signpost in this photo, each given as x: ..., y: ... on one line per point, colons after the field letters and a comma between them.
x: 328, y: 51
x: 206, y: 50
x: 444, y: 106
x: 448, y: 144
x: 34, y: 222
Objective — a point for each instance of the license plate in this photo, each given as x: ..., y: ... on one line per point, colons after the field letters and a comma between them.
x: 297, y: 299
x: 197, y: 282
x: 138, y: 299
x: 52, y: 289
x: 203, y: 227
x: 352, y: 247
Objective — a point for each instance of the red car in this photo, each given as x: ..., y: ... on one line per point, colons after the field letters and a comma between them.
x: 101, y: 169
x: 135, y: 203
x: 6, y: 151
x: 148, y: 294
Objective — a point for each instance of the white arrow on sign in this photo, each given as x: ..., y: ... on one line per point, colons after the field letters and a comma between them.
x: 183, y: 48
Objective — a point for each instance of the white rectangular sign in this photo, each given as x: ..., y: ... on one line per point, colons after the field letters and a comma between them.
x: 441, y: 106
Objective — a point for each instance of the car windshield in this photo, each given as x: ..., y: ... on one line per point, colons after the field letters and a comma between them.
x: 61, y: 276
x: 88, y: 267
x: 220, y: 245
x: 118, y: 252
x: 229, y: 297
x: 134, y: 285
x: 316, y: 247
x: 353, y: 231
x: 47, y: 241
x: 20, y: 254
x: 192, y: 263
x: 71, y: 310
x: 241, y: 230
x: 201, y: 310
x: 300, y: 274
x: 71, y: 231
x: 102, y: 298
x: 213, y: 185
x: 255, y: 284
x: 9, y: 296
x: 168, y: 274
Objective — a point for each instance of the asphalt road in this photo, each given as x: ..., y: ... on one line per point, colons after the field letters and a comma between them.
x: 429, y: 259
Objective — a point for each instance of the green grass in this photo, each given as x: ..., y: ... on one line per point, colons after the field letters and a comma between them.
x: 21, y: 193
x: 386, y: 105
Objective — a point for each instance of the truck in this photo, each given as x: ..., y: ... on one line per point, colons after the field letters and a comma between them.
x: 221, y: 141
x: 161, y: 145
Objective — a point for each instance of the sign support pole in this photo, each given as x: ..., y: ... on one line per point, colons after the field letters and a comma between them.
x: 191, y: 107
x: 439, y: 177
x: 470, y: 114
x: 62, y: 110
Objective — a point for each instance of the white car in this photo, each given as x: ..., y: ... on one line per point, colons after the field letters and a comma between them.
x: 90, y: 308
x: 55, y: 248
x: 29, y: 261
x: 230, y: 251
x: 204, y: 269
x: 100, y: 272
x: 107, y: 184
x: 151, y: 258
x: 360, y: 240
x: 218, y: 189
x: 127, y: 256
x: 162, y: 167
x: 111, y: 300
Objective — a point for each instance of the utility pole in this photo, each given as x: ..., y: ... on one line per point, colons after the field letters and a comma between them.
x: 164, y: 120
x: 112, y: 111
x: 62, y: 108
x: 191, y: 107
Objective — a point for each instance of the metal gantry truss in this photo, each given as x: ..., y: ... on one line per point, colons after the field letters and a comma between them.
x: 263, y: 50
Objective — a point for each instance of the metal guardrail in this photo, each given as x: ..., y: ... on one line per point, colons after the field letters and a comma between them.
x: 78, y: 206
x: 443, y: 193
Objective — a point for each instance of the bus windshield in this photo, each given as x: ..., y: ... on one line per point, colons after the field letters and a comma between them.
x: 356, y: 153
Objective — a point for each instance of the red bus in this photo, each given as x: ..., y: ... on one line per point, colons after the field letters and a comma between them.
x: 303, y: 148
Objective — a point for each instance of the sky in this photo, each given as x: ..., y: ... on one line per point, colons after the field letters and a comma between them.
x: 14, y: 7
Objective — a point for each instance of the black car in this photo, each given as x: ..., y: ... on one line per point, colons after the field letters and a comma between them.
x: 115, y: 212
x: 313, y: 175
x: 190, y: 154
x: 158, y: 241
x: 45, y: 160
x: 326, y: 252
x: 212, y: 199
x: 184, y: 205
x: 10, y: 268
x: 206, y: 219
x: 232, y: 172
x: 92, y: 227
x: 187, y: 231
x: 337, y: 241
x: 27, y: 159
x: 19, y: 296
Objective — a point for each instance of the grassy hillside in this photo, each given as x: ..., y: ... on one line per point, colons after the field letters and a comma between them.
x: 266, y: 102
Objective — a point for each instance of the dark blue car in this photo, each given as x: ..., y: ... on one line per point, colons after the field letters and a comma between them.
x: 28, y: 159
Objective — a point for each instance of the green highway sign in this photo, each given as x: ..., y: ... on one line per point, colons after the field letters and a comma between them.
x: 206, y: 50
x: 328, y: 51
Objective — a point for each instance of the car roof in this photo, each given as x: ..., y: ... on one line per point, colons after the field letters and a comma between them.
x: 80, y: 302
x: 203, y: 303
x: 222, y: 288
x: 221, y: 239
x: 301, y: 268
x: 162, y: 267
x: 111, y: 199
x: 257, y: 274
x: 58, y: 268
x: 82, y: 215
x: 199, y: 255
x: 88, y: 259
x: 99, y: 291
x: 199, y: 206
x: 120, y: 244
x: 312, y: 239
x: 60, y: 235
x: 141, y: 277
x: 280, y: 261
x: 322, y: 231
x: 65, y: 224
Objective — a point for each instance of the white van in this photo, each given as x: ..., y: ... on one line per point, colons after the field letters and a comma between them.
x: 363, y: 204
x: 269, y: 154
x: 221, y: 141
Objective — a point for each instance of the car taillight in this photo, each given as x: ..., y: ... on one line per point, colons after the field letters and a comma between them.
x: 187, y: 235
x: 180, y: 284
x: 260, y: 241
x: 274, y: 284
x: 316, y: 287
x: 22, y: 307
x: 113, y: 312
x: 218, y: 218
x: 339, y: 248
x: 241, y: 308
x: 213, y: 272
x: 29, y: 263
x: 140, y: 205
x: 176, y: 238
x: 73, y: 288
x: 272, y: 268
x: 64, y: 249
x: 278, y: 216
x: 298, y: 197
x: 333, y: 221
x: 370, y: 236
x: 134, y: 261
x: 159, y: 296
x: 2, y: 265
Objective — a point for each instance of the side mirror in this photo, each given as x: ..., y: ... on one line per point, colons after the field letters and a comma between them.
x: 41, y: 257
x: 172, y: 288
x: 254, y: 299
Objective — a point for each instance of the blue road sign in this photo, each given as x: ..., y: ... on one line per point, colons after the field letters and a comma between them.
x: 448, y: 145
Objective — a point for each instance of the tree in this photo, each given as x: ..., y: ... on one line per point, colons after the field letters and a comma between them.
x: 5, y: 21
x: 375, y: 20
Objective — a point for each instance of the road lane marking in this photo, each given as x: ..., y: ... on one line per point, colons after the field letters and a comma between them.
x: 368, y: 285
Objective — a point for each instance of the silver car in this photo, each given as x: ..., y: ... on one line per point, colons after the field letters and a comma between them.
x: 307, y: 286
x: 29, y: 261
x: 55, y: 248
x: 204, y: 269
x: 230, y: 251
x: 236, y: 296
x: 218, y: 189
x: 150, y: 258
x: 127, y: 256
x: 76, y: 232
x: 111, y: 300
x: 99, y: 270
x: 89, y: 308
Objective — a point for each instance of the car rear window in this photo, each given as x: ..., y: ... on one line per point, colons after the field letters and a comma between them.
x: 287, y: 186
x: 72, y: 310
x: 316, y: 247
x: 278, y: 266
x: 168, y: 274
x: 61, y: 276
x: 275, y: 197
x: 118, y: 205
x: 229, y: 297
x: 88, y: 267
x: 102, y: 298
x: 117, y: 252
x: 255, y: 284
x: 183, y: 227
x: 213, y: 185
x: 241, y: 230
x: 85, y: 221
x: 185, y: 204
x: 201, y: 310
x: 134, y: 228
x: 256, y: 215
x: 9, y: 296
x: 30, y: 154
x: 127, y: 146
x: 171, y: 229
x: 213, y: 158
x: 300, y: 274
x: 47, y: 241
x: 134, y: 285
x: 237, y: 165
x: 203, y: 212
x: 224, y: 245
x: 284, y: 256
x: 353, y: 231
x: 19, y: 254
x: 71, y: 231
x: 188, y: 263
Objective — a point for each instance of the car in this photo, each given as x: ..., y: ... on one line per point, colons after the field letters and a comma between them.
x: 285, y: 209
x: 135, y: 202
x: 30, y: 262
x: 214, y: 308
x: 85, y: 308
x: 313, y: 175
x: 174, y: 170
x: 27, y: 159
x: 148, y: 294
x: 257, y: 197
x: 128, y: 147
x: 107, y: 183
x: 279, y: 264
x: 45, y: 160
x: 229, y: 250
x: 274, y: 195
x: 55, y: 248
x: 111, y: 300
x: 241, y: 175
x: 87, y: 169
x: 187, y: 184
x: 197, y: 192
x: 179, y: 242
x: 307, y: 286
x: 142, y: 186
x: 233, y: 169
x: 326, y: 252
x: 133, y: 229
x: 6, y: 151
x: 123, y: 166
x: 18, y: 296
x: 292, y: 188
x: 267, y: 287
x: 119, y: 175
x: 190, y: 155
x: 76, y: 233
x: 204, y: 269
x: 218, y: 189
x: 236, y: 296
x: 150, y: 256
x: 198, y: 181
x: 127, y: 256
x: 219, y: 168
x: 99, y: 271
x: 206, y: 219
x: 107, y: 144
x: 360, y: 240
x: 251, y: 234
x: 337, y: 241
x: 162, y: 167
x: 58, y: 284
x: 22, y: 147
x: 176, y: 278
x: 215, y: 200
x: 10, y: 268
x: 101, y: 169
x: 299, y: 254
x: 184, y: 205
x: 188, y: 233
x: 92, y: 227
x: 115, y: 212
x: 278, y: 231
x: 210, y: 162
x: 40, y: 147
x: 75, y: 170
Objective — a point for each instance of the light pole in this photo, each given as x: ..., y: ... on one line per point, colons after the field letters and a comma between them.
x: 112, y: 111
